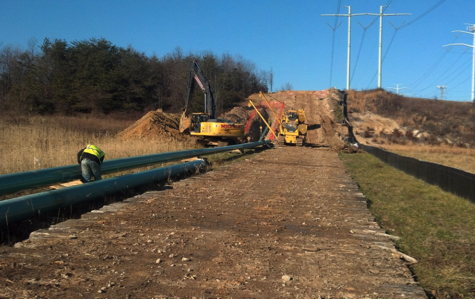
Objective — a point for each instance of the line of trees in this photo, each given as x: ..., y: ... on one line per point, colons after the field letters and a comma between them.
x: 95, y: 76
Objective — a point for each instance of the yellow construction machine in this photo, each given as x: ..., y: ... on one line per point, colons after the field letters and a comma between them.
x: 293, y: 130
x: 206, y: 125
x: 292, y: 127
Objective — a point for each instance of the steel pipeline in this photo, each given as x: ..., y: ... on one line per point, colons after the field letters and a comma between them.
x: 15, y: 182
x: 25, y: 207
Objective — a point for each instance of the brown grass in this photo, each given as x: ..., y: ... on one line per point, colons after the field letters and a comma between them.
x: 446, y: 122
x: 28, y: 143
x: 460, y: 158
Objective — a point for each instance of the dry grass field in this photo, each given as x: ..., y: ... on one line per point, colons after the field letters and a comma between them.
x: 38, y: 142
x: 460, y: 158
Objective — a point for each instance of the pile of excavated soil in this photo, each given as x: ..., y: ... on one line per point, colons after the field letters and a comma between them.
x: 160, y: 125
x: 154, y: 125
x: 324, y: 129
x: 238, y: 114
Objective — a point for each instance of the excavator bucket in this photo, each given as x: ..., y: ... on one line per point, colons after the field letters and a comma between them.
x: 185, y: 123
x: 302, y: 129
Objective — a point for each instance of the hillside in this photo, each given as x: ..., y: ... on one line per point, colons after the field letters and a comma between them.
x: 378, y: 117
x: 381, y: 117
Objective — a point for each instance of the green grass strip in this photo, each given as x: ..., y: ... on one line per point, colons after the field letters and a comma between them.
x: 436, y: 228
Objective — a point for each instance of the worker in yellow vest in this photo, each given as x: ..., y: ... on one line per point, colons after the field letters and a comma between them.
x: 90, y: 159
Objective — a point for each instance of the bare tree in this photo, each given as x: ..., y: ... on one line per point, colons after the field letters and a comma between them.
x: 286, y: 87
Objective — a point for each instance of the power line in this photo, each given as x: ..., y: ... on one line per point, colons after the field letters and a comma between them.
x: 349, y: 43
x: 386, y: 52
x: 470, y: 28
x: 431, y: 84
x: 381, y: 15
x: 432, y: 68
x: 359, y: 49
x: 335, y: 26
x: 424, y: 13
x: 464, y: 65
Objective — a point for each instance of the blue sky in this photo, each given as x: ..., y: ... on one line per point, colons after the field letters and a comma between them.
x: 291, y: 37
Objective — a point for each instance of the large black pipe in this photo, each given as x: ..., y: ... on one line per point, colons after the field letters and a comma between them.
x: 11, y: 183
x: 25, y: 207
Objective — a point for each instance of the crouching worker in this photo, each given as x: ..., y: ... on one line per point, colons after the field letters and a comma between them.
x: 90, y: 159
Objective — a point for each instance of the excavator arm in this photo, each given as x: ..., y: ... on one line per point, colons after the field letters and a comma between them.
x: 210, y: 106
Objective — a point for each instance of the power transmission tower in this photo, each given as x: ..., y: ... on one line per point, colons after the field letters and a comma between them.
x: 470, y: 28
x: 380, y: 64
x: 397, y: 88
x: 442, y: 88
x: 349, y: 15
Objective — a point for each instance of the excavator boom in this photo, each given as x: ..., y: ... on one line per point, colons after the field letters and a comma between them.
x: 197, y: 75
x: 205, y: 124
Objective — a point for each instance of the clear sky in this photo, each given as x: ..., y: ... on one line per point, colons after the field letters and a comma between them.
x: 291, y: 37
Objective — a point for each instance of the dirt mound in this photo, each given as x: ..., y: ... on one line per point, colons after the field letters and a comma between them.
x: 238, y: 114
x: 321, y: 109
x: 154, y: 125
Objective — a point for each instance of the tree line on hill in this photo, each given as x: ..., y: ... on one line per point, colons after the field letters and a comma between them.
x: 95, y: 76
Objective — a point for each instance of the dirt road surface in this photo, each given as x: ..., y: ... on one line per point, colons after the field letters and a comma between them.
x: 285, y: 223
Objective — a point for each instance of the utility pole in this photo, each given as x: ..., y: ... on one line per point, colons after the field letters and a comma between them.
x: 397, y: 88
x: 470, y: 28
x: 349, y: 15
x: 441, y: 88
x: 380, y: 63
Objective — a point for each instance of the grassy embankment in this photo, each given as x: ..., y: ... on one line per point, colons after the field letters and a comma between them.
x: 435, y: 227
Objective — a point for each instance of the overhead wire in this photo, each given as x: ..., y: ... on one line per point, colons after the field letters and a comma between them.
x: 385, y: 53
x: 431, y: 70
x: 441, y: 58
x: 425, y: 13
x: 465, y: 63
x: 361, y: 46
x: 455, y: 77
x: 459, y: 73
x: 462, y: 82
x: 431, y: 85
x: 361, y: 43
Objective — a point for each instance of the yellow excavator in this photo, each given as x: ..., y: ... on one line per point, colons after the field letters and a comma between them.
x: 211, y: 130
